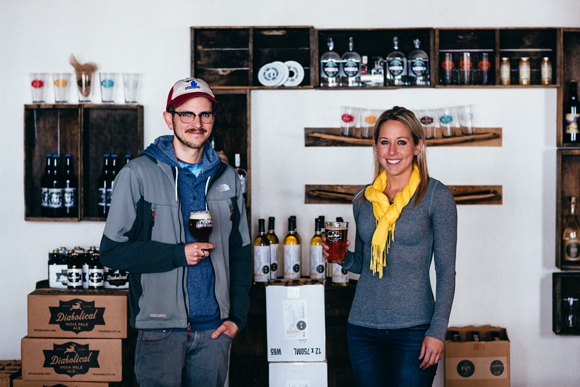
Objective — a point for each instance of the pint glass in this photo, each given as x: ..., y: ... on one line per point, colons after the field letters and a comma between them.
x: 336, y: 234
x: 200, y: 225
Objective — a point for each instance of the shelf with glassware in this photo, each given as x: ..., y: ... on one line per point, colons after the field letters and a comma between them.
x: 85, y: 132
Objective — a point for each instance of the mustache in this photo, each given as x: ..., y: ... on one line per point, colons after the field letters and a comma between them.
x: 196, y: 130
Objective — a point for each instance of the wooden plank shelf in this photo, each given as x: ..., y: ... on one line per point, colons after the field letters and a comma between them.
x: 332, y: 137
x: 343, y: 194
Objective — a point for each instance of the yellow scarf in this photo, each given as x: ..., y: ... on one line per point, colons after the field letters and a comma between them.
x: 386, y: 215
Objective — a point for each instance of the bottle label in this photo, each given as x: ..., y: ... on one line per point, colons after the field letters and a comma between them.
x: 54, y: 197
x: 330, y: 69
x: 261, y: 263
x: 295, y: 319
x: 102, y: 197
x: 116, y: 279
x: 339, y: 275
x: 316, y: 262
x: 44, y: 197
x: 57, y: 276
x: 396, y: 67
x: 85, y: 275
x: 572, y: 250
x: 69, y: 197
x: 572, y: 123
x: 291, y: 261
x: 96, y: 278
x: 504, y: 72
x: 351, y: 68
x: 546, y: 72
x: 108, y: 196
x: 243, y: 183
x: 75, y: 278
x: 274, y: 260
x: 418, y: 67
x: 525, y: 72
x: 76, y: 315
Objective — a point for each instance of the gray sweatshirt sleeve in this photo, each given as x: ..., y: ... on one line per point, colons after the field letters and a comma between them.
x: 444, y: 218
x: 353, y: 260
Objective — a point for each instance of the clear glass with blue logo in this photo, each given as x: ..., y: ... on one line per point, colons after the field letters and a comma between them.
x: 447, y: 121
x: 107, y: 87
x: 131, y: 86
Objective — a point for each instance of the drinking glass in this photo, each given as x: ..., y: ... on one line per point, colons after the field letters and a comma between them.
x: 336, y: 234
x: 131, y: 86
x: 428, y: 120
x: 38, y: 87
x: 61, y: 82
x: 466, y: 120
x: 368, y: 119
x: 200, y: 225
x: 107, y: 87
x: 348, y: 120
x: 447, y: 121
x: 465, y: 69
x: 448, y: 69
x: 84, y: 83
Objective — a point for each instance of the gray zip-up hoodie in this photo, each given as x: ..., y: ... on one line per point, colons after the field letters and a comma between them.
x: 145, y: 235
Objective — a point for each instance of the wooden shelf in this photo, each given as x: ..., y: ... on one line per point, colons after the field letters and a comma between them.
x: 567, y: 185
x: 564, y: 285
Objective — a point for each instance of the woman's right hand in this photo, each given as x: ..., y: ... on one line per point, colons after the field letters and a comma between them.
x: 325, y: 248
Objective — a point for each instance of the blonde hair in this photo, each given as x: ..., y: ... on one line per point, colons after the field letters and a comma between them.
x: 407, y: 118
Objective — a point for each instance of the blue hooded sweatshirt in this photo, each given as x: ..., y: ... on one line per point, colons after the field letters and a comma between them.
x: 203, y: 307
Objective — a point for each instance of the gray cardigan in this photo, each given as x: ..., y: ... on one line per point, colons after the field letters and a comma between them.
x: 403, y: 297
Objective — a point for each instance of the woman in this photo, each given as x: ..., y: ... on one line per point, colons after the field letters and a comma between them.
x: 396, y: 330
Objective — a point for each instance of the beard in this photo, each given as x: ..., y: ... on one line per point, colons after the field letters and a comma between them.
x: 187, y: 143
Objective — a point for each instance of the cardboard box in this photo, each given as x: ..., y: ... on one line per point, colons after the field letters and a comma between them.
x: 295, y: 321
x: 311, y: 374
x: 472, y: 363
x: 18, y: 382
x: 9, y: 370
x: 78, y: 313
x: 66, y: 359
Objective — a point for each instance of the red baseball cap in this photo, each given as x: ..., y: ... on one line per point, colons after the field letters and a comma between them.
x: 188, y: 88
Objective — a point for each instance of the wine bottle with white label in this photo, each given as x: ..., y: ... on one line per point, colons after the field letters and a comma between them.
x: 292, y: 251
x: 339, y: 275
x: 274, y: 244
x: 261, y: 255
x: 571, y: 236
x: 317, y: 263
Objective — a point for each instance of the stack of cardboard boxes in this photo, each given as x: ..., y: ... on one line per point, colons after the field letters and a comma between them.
x: 9, y: 370
x: 76, y: 336
x: 296, y: 333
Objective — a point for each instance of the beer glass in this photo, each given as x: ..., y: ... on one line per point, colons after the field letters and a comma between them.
x: 107, y: 87
x: 447, y: 121
x: 336, y: 233
x: 427, y: 118
x: 61, y: 81
x: 466, y: 120
x: 38, y: 86
x: 348, y: 120
x: 131, y: 86
x: 368, y: 119
x: 200, y: 225
x: 84, y: 83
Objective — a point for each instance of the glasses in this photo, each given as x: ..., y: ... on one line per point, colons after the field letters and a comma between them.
x: 189, y: 117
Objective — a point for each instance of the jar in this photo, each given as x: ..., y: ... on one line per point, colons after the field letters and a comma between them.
x: 525, y: 71
x: 504, y: 71
x: 546, y: 68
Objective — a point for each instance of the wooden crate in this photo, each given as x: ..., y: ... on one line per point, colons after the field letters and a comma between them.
x: 85, y: 131
x: 567, y: 185
x: 564, y: 285
x: 570, y: 69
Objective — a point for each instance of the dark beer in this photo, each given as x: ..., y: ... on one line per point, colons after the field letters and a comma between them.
x: 336, y: 234
x: 200, y: 225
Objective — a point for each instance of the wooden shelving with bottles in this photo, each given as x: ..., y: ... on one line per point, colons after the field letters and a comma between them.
x: 567, y: 185
x: 564, y: 287
x: 86, y: 131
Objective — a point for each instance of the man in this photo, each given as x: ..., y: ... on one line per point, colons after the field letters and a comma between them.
x: 187, y: 299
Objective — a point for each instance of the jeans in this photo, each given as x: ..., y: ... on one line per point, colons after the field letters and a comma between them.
x: 388, y: 357
x: 167, y: 359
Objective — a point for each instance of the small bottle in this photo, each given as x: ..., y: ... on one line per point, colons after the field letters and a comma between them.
x: 572, y: 115
x: 378, y: 72
x: 525, y: 71
x: 102, y: 186
x: 57, y: 269
x: 127, y: 159
x: 546, y: 71
x: 505, y: 71
x: 44, y: 186
x: 274, y: 244
x: 396, y: 66
x: 571, y: 235
x: 316, y: 259
x: 70, y: 189
x: 113, y: 170
x: 96, y: 272
x: 418, y: 65
x: 339, y: 275
x: 330, y: 66
x: 292, y: 251
x: 365, y: 75
x: 85, y: 257
x: 55, y: 191
x: 350, y: 66
x: 242, y: 175
x: 475, y: 335
x: 74, y: 271
x: 261, y: 254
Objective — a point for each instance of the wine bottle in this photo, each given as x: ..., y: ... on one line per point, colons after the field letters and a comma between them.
x: 339, y: 275
x: 316, y: 259
x: 242, y: 175
x: 274, y: 244
x: 292, y: 251
x: 330, y: 66
x: 571, y: 236
x: 571, y: 114
x: 70, y: 202
x: 261, y: 254
x: 44, y: 185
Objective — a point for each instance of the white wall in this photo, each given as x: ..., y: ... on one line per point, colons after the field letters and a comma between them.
x: 505, y: 253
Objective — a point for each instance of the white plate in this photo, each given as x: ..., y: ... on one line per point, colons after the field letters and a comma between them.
x: 296, y: 73
x: 273, y: 74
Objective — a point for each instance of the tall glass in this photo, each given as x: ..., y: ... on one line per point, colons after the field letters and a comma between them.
x: 107, y: 87
x: 84, y: 86
x: 61, y: 82
x: 336, y: 237
x: 348, y: 120
x: 131, y: 86
x: 200, y: 225
x: 38, y: 87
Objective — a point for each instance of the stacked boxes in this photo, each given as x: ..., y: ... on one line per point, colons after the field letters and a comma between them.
x: 296, y: 333
x: 477, y: 356
x: 9, y: 370
x: 76, y: 336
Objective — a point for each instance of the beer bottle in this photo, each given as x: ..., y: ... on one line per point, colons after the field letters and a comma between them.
x: 74, y: 271
x: 242, y: 175
x: 70, y: 203
x: 57, y: 269
x: 127, y: 159
x: 274, y: 243
x: 295, y: 231
x: 55, y: 190
x: 316, y: 259
x: 44, y: 185
x: 114, y: 169
x: 103, y: 185
x: 84, y: 257
x: 292, y: 251
x: 261, y: 255
x: 116, y: 279
x: 96, y: 272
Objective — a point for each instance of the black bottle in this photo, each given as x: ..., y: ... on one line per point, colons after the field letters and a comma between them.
x: 44, y: 185
x: 55, y: 191
x: 103, y: 185
x: 70, y: 202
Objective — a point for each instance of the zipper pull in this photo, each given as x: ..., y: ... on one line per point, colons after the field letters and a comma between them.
x: 153, y: 210
x: 188, y: 330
